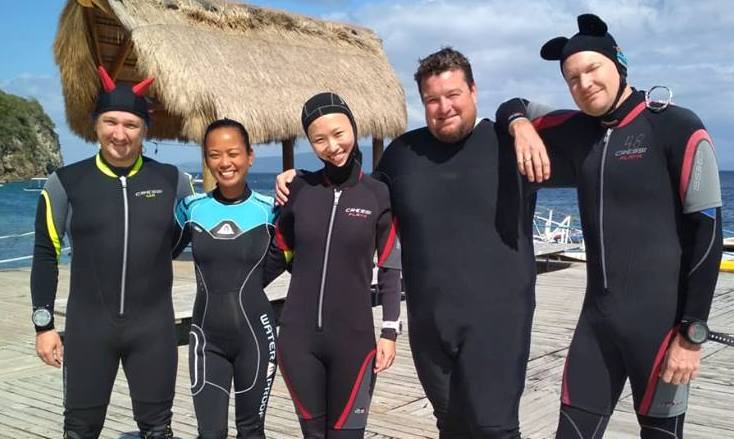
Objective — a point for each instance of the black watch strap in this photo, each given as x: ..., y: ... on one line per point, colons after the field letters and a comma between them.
x: 722, y: 338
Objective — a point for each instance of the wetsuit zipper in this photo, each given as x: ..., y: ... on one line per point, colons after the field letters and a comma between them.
x: 601, y: 207
x: 123, y: 181
x: 320, y: 317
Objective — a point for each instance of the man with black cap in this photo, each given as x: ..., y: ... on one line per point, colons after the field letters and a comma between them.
x: 650, y: 202
x: 117, y: 210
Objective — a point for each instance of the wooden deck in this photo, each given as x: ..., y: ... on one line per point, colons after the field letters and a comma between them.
x: 31, y: 393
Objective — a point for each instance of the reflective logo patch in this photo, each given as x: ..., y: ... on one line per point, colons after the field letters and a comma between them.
x: 150, y: 193
x: 226, y: 230
x: 357, y: 212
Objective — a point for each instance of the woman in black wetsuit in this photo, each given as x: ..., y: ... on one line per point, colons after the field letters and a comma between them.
x: 327, y: 235
x: 233, y: 327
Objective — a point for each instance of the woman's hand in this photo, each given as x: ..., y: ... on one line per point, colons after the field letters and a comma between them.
x: 385, y: 354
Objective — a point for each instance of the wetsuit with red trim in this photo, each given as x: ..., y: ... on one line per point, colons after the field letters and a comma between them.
x: 649, y: 198
x: 327, y: 235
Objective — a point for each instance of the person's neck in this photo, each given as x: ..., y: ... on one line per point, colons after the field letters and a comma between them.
x: 625, y: 95
x: 122, y: 164
x: 232, y: 194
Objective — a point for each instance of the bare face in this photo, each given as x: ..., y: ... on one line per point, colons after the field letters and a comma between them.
x: 120, y: 137
x: 228, y: 160
x: 593, y: 81
x: 450, y: 104
x: 332, y: 138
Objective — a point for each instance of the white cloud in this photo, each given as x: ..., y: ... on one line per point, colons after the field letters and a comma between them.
x: 681, y: 44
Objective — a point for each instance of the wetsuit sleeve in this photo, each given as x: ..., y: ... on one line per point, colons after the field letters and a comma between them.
x: 280, y: 253
x: 185, y: 186
x: 388, y: 273
x: 550, y: 125
x: 694, y: 170
x: 182, y: 227
x: 51, y: 215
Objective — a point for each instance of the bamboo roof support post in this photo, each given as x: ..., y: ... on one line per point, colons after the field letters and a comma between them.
x: 288, y: 159
x: 378, y: 145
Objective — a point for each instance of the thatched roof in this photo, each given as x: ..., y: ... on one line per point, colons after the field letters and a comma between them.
x: 216, y: 59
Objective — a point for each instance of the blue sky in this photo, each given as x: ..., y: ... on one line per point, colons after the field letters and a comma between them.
x: 682, y: 44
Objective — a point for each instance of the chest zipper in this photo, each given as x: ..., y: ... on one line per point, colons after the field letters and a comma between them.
x: 601, y: 207
x: 123, y: 182
x: 320, y: 317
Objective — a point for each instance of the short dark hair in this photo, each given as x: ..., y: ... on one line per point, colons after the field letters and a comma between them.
x: 228, y: 123
x: 442, y: 61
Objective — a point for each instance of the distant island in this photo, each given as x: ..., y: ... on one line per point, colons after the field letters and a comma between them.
x: 29, y: 146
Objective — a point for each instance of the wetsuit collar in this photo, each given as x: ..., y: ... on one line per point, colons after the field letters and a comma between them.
x: 627, y: 110
x: 113, y: 171
x: 217, y: 194
x: 347, y: 175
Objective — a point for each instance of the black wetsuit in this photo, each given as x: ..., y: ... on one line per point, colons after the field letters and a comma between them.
x: 649, y: 198
x: 119, y: 309
x: 328, y: 234
x: 232, y: 326
x: 469, y: 275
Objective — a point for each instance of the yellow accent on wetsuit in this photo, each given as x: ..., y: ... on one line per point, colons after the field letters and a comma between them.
x: 102, y: 166
x: 51, y: 226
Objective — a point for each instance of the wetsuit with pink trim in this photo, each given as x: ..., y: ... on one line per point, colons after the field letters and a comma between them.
x: 649, y: 198
x: 327, y: 235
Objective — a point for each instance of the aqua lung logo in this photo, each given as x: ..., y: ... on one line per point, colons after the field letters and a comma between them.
x: 359, y: 411
x: 357, y: 212
x: 270, y: 333
x: 150, y: 193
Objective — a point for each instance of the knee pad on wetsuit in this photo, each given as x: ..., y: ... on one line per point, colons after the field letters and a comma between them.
x: 152, y: 416
x: 574, y: 423
x: 314, y: 428
x: 661, y: 428
x: 84, y: 423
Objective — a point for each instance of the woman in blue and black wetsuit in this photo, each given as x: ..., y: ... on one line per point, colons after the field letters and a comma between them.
x: 327, y: 235
x: 233, y: 327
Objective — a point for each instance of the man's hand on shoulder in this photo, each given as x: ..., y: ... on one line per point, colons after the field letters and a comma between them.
x: 281, y: 186
x: 532, y: 157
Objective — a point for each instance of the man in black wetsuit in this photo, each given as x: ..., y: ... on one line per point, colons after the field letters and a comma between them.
x: 650, y: 202
x: 467, y: 255
x: 116, y: 208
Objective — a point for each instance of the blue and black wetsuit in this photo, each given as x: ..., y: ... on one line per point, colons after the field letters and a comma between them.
x: 232, y: 327
x: 119, y: 224
x: 327, y: 235
x: 649, y: 197
x: 469, y: 275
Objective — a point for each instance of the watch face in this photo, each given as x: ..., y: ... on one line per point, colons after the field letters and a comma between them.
x: 41, y: 317
x: 697, y: 332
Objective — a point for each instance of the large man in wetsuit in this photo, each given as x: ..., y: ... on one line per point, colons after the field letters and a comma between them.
x: 467, y: 255
x: 649, y: 196
x: 117, y: 210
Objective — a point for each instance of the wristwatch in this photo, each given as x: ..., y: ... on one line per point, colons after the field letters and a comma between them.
x: 695, y: 331
x: 41, y: 317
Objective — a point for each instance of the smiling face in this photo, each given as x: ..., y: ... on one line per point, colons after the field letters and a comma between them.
x: 450, y: 105
x: 228, y: 159
x: 120, y: 136
x: 593, y: 81
x: 332, y: 138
